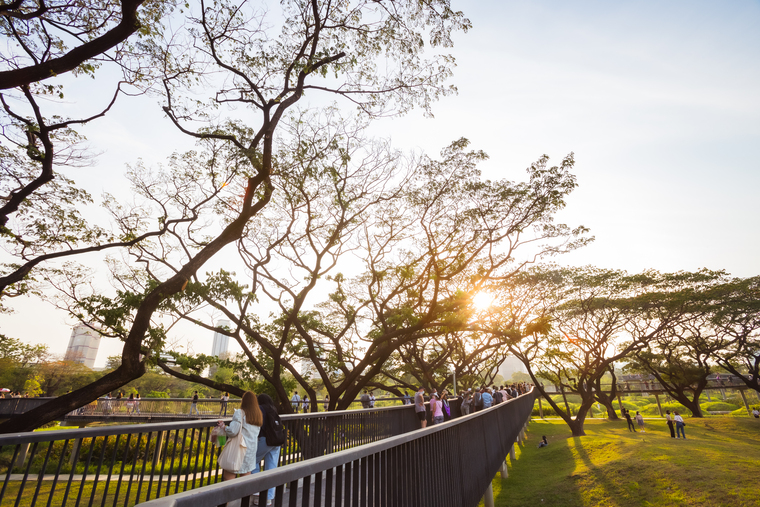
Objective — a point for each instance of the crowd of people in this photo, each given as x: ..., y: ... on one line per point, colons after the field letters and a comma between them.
x: 12, y: 394
x: 472, y: 400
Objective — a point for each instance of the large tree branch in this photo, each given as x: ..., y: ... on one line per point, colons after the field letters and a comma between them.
x: 27, y: 75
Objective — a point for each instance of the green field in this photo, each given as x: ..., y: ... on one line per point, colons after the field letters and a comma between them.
x: 718, y: 465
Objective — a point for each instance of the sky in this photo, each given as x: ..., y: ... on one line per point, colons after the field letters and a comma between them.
x: 658, y: 101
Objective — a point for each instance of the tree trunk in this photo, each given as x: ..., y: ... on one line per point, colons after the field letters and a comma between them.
x: 576, y: 427
x: 62, y: 405
x: 608, y: 405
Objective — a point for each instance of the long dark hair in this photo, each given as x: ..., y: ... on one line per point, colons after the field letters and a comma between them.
x: 268, y: 402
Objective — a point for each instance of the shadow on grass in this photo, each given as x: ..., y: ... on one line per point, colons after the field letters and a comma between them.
x: 533, y: 483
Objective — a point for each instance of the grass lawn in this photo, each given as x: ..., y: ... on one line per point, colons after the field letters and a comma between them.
x: 717, y: 465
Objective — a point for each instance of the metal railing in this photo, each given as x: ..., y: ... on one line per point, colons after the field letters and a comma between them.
x: 626, y: 386
x: 15, y: 406
x: 450, y: 464
x: 125, y: 465
x: 154, y: 409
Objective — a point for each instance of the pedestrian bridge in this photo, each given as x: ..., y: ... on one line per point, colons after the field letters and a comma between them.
x: 354, y: 457
x: 147, y: 410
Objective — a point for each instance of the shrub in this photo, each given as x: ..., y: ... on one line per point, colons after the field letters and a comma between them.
x: 718, y: 406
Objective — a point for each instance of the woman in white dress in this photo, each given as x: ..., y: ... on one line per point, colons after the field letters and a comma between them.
x: 248, y: 419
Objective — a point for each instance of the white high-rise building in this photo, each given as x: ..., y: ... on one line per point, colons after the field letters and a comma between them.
x: 83, y: 345
x: 221, y: 342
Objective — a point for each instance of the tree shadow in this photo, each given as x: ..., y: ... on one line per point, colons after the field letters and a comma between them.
x: 532, y: 483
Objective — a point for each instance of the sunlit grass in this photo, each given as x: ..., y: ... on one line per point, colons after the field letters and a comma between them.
x: 717, y: 465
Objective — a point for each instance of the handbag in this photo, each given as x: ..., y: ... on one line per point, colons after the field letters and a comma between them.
x: 233, y: 453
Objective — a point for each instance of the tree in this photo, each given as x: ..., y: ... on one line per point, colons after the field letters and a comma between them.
x: 421, y: 244
x: 736, y: 319
x: 22, y: 353
x: 680, y: 354
x: 570, y: 325
x: 473, y: 358
x: 41, y: 213
x: 323, y: 47
x: 41, y: 34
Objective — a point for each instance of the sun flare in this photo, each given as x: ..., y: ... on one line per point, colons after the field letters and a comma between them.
x: 483, y: 300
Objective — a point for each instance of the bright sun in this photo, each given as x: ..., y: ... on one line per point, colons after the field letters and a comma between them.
x: 483, y: 300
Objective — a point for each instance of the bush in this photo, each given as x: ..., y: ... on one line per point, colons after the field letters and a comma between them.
x: 718, y: 406
x: 675, y: 406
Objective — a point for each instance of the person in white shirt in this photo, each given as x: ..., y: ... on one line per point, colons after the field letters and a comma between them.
x: 295, y: 401
x: 669, y: 420
x: 223, y: 404
x: 679, y: 426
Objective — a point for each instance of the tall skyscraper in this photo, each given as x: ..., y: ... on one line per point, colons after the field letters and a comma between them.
x: 221, y: 342
x: 83, y: 345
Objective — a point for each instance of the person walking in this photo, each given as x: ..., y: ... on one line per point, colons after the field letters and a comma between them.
x: 445, y: 405
x: 372, y: 399
x: 295, y: 401
x: 247, y: 419
x: 306, y: 403
x: 640, y: 421
x: 365, y: 399
x: 269, y: 453
x: 131, y: 404
x: 466, y: 403
x: 497, y: 396
x: 223, y: 404
x: 419, y: 406
x: 487, y: 398
x: 194, y: 404
x: 477, y: 401
x: 137, y: 403
x: 627, y: 414
x: 680, y: 425
x: 327, y: 402
x: 669, y: 420
x: 436, y: 409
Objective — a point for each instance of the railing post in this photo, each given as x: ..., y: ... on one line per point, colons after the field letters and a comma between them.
x: 746, y: 405
x: 512, y: 452
x: 22, y: 451
x: 157, y: 452
x: 540, y: 408
x: 75, y: 451
x: 504, y: 471
x: 488, y: 496
x: 659, y: 407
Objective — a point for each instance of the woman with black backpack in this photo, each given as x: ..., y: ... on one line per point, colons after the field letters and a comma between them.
x: 271, y: 438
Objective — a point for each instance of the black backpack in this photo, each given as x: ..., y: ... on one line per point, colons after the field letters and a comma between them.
x: 274, y: 431
x: 497, y: 396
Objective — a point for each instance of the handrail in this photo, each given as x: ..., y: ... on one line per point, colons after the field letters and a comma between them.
x: 452, y: 463
x: 47, y: 436
x: 142, y: 461
x: 115, y: 409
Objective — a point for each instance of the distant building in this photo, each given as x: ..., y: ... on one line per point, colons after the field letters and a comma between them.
x: 221, y: 342
x: 83, y: 345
